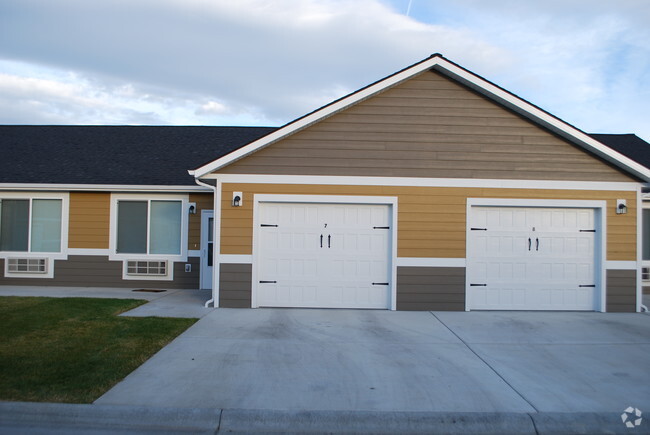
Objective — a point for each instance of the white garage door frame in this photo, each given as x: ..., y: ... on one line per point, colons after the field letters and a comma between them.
x: 391, y: 201
x: 600, y: 216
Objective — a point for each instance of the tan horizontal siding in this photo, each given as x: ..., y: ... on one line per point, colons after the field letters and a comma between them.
x: 431, y: 220
x: 428, y: 126
x: 204, y: 201
x: 89, y: 223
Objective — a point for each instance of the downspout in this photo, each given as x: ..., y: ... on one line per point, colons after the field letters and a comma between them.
x: 214, y: 188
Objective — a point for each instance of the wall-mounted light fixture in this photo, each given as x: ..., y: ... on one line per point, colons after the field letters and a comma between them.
x: 621, y: 206
x: 237, y: 199
x: 191, y: 208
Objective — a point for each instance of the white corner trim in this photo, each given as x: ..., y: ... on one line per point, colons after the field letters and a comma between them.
x: 425, y: 182
x: 430, y: 262
x: 235, y: 259
x: 620, y: 265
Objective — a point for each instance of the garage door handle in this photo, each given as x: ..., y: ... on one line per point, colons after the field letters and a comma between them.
x: 321, y: 240
x: 537, y: 244
x: 529, y: 243
x: 329, y: 239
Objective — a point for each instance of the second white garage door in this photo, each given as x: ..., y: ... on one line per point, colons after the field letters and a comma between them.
x: 323, y: 255
x: 531, y: 259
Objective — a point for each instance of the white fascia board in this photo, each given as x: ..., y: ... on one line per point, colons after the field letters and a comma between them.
x: 541, y: 117
x: 316, y: 116
x: 100, y: 187
x: 424, y: 182
x: 462, y: 75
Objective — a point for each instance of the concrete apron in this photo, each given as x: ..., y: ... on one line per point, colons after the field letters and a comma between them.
x: 296, y: 360
x: 49, y: 418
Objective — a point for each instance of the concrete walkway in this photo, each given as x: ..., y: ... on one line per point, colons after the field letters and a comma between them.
x: 362, y: 371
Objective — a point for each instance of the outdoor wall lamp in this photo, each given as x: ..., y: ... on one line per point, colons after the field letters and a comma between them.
x: 191, y: 209
x: 621, y: 206
x: 237, y: 199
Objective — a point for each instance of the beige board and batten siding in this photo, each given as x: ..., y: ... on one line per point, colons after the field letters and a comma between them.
x: 432, y: 127
x: 431, y: 220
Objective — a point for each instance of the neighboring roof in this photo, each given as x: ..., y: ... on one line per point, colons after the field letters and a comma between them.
x: 114, y: 155
x: 444, y: 66
x: 630, y: 145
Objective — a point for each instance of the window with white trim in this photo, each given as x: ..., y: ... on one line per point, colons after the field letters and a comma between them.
x: 30, y: 225
x: 149, y: 227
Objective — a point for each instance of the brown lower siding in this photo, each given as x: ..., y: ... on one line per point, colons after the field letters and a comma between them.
x: 621, y: 291
x: 431, y: 288
x: 235, y: 285
x: 98, y: 271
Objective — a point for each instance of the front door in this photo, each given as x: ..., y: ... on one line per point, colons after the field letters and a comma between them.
x: 207, y: 247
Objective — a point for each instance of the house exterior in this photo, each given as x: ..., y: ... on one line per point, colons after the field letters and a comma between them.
x: 431, y: 189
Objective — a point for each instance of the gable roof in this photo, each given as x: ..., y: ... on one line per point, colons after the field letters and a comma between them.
x: 630, y: 145
x: 114, y: 155
x: 444, y: 66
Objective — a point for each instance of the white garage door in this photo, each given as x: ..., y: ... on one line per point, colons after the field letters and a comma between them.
x: 531, y: 259
x: 323, y: 255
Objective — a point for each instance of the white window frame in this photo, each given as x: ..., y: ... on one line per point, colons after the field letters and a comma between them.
x: 48, y: 256
x: 171, y: 258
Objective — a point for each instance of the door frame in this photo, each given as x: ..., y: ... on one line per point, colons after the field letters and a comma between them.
x: 205, y: 278
x: 600, y: 244
x: 391, y: 201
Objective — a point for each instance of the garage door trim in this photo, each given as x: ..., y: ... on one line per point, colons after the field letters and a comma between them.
x: 326, y: 199
x: 600, y: 216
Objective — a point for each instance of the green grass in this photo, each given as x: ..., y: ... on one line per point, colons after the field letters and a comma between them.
x: 74, y: 349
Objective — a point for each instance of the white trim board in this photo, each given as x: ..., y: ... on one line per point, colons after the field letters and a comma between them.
x: 235, y: 259
x: 620, y: 265
x: 455, y: 72
x: 424, y: 182
x: 101, y: 187
x: 430, y: 262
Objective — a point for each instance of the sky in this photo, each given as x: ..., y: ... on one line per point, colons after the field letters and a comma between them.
x: 267, y: 62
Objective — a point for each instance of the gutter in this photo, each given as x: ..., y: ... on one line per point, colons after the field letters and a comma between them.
x: 214, y: 190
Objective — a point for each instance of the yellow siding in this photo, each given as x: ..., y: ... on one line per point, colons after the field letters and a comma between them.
x: 431, y: 220
x: 204, y: 201
x: 89, y: 220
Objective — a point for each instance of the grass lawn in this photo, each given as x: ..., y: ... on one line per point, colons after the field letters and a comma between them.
x: 74, y: 349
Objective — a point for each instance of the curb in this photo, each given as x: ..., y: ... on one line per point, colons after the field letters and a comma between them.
x: 57, y: 418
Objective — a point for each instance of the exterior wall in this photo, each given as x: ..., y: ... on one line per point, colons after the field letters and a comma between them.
x: 432, y: 127
x: 204, y: 201
x: 235, y: 285
x: 431, y: 220
x: 89, y: 220
x: 98, y: 271
x: 621, y: 290
x: 431, y: 288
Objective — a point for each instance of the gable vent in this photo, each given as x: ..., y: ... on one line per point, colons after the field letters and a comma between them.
x: 146, y: 268
x: 27, y: 265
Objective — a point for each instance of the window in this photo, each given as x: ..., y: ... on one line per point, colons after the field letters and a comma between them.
x: 149, y: 227
x: 30, y: 225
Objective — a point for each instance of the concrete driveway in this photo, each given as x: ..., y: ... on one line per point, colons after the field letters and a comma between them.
x: 357, y: 360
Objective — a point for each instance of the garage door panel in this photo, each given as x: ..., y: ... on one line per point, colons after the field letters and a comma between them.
x: 531, y: 258
x: 331, y: 251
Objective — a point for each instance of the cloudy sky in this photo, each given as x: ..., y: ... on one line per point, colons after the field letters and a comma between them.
x: 266, y: 62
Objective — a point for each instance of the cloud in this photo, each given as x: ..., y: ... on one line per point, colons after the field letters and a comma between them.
x: 266, y: 62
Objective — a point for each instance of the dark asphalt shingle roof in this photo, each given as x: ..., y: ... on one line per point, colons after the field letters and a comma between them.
x: 138, y: 155
x: 630, y: 145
